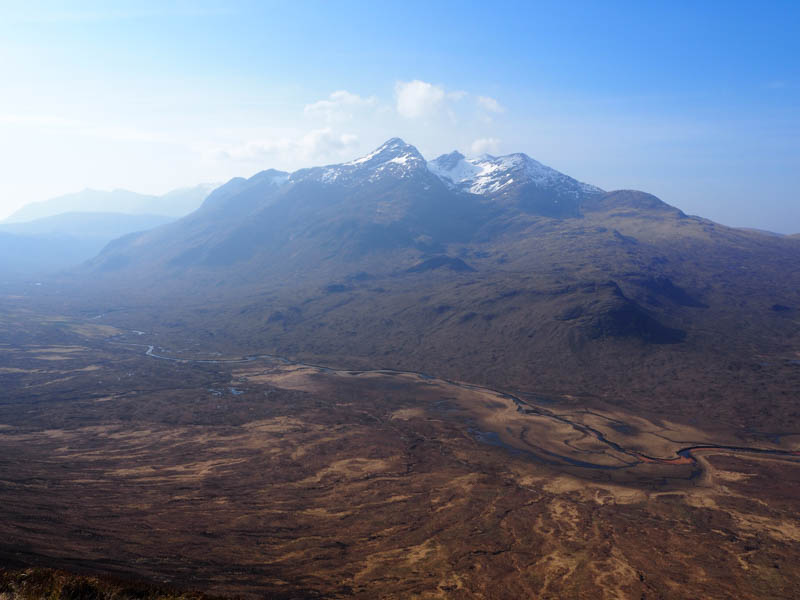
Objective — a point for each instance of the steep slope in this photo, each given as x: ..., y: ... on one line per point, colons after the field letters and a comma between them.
x: 316, y: 220
x: 327, y: 220
x: 388, y: 261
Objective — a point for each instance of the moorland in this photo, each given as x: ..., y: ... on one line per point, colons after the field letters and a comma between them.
x: 375, y: 380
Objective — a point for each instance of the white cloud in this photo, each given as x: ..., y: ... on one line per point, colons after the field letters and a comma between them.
x: 341, y: 105
x: 417, y: 98
x: 322, y: 142
x: 316, y: 144
x: 490, y: 104
x: 485, y: 145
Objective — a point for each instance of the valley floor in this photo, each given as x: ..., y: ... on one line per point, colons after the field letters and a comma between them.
x: 263, y: 477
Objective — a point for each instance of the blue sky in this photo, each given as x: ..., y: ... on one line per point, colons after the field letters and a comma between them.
x: 698, y: 103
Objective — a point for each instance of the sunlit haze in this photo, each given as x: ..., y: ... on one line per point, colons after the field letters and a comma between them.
x: 698, y: 104
x: 343, y: 299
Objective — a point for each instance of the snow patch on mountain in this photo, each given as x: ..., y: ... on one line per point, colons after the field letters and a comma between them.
x: 489, y: 175
x: 366, y: 158
x: 485, y: 175
x: 454, y: 169
x: 394, y: 158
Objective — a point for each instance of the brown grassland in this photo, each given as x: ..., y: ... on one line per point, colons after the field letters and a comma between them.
x: 268, y: 478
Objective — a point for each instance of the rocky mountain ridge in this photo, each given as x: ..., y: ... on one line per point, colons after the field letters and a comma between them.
x: 382, y: 263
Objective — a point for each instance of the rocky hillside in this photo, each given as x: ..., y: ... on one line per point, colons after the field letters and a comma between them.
x: 467, y: 268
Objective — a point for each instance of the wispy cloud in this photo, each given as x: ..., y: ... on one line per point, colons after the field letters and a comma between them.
x: 315, y: 144
x: 490, y: 104
x: 430, y: 112
x: 341, y: 105
x: 417, y: 98
x: 485, y: 145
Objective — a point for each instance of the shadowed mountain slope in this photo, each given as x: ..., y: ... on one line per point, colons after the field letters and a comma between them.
x: 460, y: 267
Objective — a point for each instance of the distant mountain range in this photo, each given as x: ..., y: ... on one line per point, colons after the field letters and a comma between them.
x: 51, y: 244
x: 63, y: 232
x: 90, y: 225
x: 176, y: 203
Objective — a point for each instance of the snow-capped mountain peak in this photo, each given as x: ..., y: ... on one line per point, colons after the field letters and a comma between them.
x: 395, y: 155
x: 490, y: 175
x: 496, y: 177
x: 394, y: 158
x: 446, y: 162
x: 391, y: 150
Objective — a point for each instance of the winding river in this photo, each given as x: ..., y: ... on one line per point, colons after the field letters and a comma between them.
x: 685, y: 456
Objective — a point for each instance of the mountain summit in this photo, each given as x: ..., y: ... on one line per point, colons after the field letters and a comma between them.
x: 514, y: 178
x: 390, y: 200
x: 394, y: 151
x: 394, y: 158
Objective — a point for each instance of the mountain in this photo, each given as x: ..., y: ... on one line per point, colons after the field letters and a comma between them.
x: 42, y: 246
x: 497, y: 270
x: 101, y: 225
x: 762, y: 231
x: 515, y: 179
x: 176, y: 203
x: 323, y: 218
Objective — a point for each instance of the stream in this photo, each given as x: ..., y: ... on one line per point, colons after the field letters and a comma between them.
x: 684, y: 455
